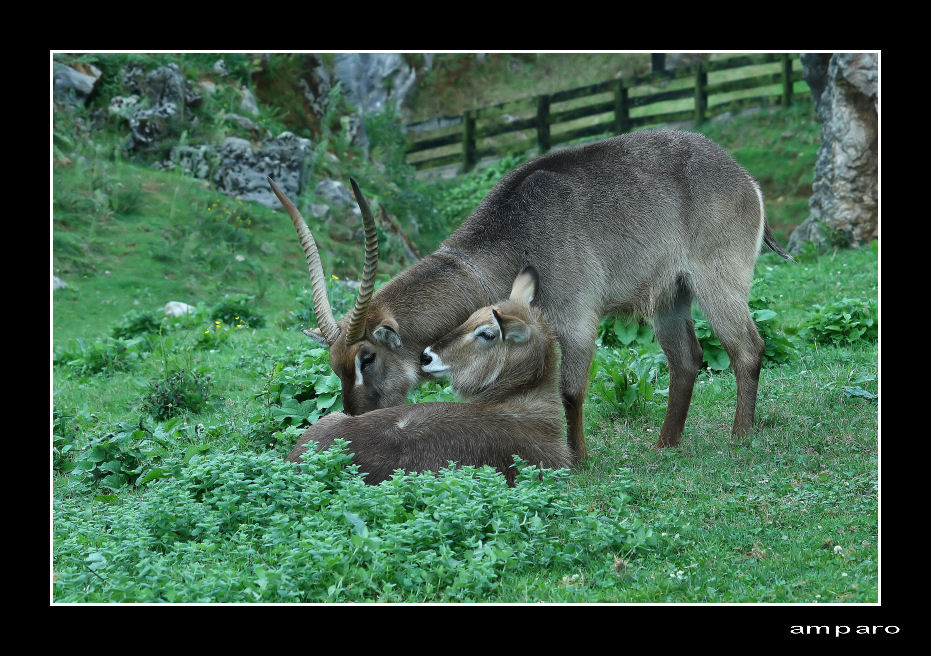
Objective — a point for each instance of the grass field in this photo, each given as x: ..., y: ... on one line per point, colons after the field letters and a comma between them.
x: 167, y: 435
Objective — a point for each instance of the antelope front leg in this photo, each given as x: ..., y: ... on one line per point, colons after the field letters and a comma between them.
x: 577, y: 353
x: 573, y: 404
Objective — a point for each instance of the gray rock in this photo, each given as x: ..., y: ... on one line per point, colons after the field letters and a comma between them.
x: 196, y: 161
x: 177, y: 308
x: 339, y: 210
x: 315, y: 83
x: 72, y: 87
x: 58, y: 283
x: 168, y: 94
x: 147, y: 125
x: 207, y: 86
x: 124, y: 106
x: 334, y: 193
x: 244, y: 123
x: 165, y: 85
x: 363, y: 75
x: 248, y: 103
x: 240, y: 170
x: 220, y: 68
x: 844, y: 203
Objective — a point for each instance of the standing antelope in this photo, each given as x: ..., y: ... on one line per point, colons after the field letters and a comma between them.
x: 502, y: 359
x: 638, y: 224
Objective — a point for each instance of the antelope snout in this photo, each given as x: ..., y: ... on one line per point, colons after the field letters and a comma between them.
x: 431, y: 363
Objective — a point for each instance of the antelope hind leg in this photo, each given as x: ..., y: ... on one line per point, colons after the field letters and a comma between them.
x: 730, y: 319
x: 676, y: 335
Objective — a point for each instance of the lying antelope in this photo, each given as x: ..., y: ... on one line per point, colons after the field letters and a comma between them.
x: 503, y: 360
x: 638, y: 224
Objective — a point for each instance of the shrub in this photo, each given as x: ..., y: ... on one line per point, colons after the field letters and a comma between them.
x: 299, y: 393
x: 212, y: 337
x: 123, y: 199
x: 237, y: 310
x: 619, y: 331
x: 179, y: 391
x: 846, y: 321
x: 625, y: 377
x: 101, y: 356
x: 779, y: 347
x: 67, y: 428
x: 135, y: 323
x: 124, y: 454
x: 628, y: 332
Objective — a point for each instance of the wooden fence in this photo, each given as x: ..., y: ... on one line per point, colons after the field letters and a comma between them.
x: 695, y: 93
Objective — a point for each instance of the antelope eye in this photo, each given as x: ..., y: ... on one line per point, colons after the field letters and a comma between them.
x: 487, y: 335
x: 366, y: 359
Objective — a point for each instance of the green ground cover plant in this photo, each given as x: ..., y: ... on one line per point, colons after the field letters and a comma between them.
x: 326, y: 536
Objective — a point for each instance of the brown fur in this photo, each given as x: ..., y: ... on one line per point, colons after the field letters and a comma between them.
x: 515, y: 408
x: 642, y: 223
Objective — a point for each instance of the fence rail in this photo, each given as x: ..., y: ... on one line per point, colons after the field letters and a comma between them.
x: 606, y: 108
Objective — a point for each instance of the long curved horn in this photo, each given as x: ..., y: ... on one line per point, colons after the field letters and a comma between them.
x: 356, y: 329
x: 325, y: 319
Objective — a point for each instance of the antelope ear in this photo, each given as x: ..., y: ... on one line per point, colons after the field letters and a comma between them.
x: 512, y: 328
x: 525, y: 285
x: 387, y: 334
x: 317, y: 336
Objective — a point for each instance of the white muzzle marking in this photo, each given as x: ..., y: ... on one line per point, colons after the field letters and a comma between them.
x: 435, y: 367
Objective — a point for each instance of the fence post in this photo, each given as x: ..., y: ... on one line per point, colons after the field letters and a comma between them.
x: 543, y: 123
x: 701, y: 94
x: 621, y: 111
x: 786, y: 80
x: 468, y: 140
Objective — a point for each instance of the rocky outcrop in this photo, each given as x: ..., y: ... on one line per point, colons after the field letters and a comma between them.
x: 72, y: 87
x: 240, y: 170
x: 372, y: 81
x: 157, y: 99
x: 156, y: 107
x: 844, y: 203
